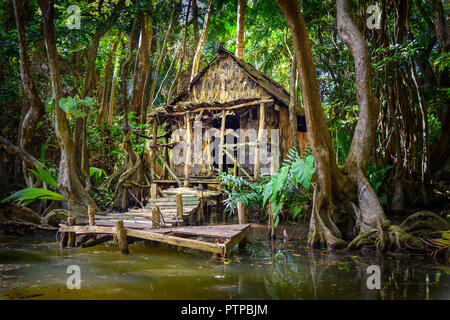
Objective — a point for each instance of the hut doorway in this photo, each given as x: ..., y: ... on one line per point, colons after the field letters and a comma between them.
x: 231, y: 126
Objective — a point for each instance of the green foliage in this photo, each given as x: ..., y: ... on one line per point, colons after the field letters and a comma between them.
x: 103, y: 197
x: 376, y: 177
x: 71, y: 106
x: 45, y: 176
x: 97, y: 173
x: 286, y: 188
x: 31, y: 194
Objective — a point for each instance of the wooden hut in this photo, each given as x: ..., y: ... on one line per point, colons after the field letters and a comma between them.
x: 227, y: 96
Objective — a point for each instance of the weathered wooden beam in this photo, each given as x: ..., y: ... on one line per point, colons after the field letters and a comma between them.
x: 262, y: 121
x: 180, y: 206
x: 71, y: 236
x: 237, y: 163
x: 182, y: 242
x: 222, y: 140
x: 238, y: 106
x: 91, y: 214
x: 97, y: 241
x: 153, y: 190
x: 156, y: 220
x: 153, y: 151
x: 242, y: 217
x: 174, y: 176
x: 187, y: 164
x: 235, y: 240
x: 121, y: 236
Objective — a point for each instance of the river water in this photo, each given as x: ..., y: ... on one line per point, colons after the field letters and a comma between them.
x: 34, y: 267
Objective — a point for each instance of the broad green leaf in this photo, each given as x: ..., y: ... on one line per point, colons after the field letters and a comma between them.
x: 35, y: 194
x: 44, y: 176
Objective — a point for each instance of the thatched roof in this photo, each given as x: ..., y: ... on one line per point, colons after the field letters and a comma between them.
x: 273, y: 88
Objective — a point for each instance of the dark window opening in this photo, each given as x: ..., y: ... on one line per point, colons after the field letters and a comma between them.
x: 301, y: 123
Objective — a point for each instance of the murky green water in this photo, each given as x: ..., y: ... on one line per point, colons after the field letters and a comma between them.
x: 35, y: 268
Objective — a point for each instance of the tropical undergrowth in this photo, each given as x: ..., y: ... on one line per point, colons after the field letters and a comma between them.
x: 287, y: 192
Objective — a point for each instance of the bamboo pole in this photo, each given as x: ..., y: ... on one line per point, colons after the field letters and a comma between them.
x: 188, y: 149
x: 156, y: 219
x: 71, y: 235
x: 180, y: 206
x: 242, y: 217
x: 153, y: 190
x: 153, y: 150
x: 222, y: 140
x: 91, y: 213
x: 121, y: 236
x: 262, y: 120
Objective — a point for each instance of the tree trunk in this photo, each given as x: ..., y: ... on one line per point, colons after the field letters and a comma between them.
x: 363, y: 141
x: 323, y: 230
x: 240, y: 29
x: 104, y: 103
x: 194, y: 21
x: 123, y: 73
x: 141, y: 67
x: 35, y: 109
x: 68, y: 182
x: 174, y: 84
x: 201, y: 42
x: 160, y: 59
x: 293, y: 102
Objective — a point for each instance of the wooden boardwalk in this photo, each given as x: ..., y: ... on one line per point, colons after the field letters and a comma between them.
x: 162, y: 221
x: 218, y: 239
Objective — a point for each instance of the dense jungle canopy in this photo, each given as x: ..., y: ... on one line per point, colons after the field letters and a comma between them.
x: 80, y: 78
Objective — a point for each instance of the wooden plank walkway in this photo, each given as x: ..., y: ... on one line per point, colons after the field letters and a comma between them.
x: 192, y: 200
x: 218, y: 239
x: 143, y: 224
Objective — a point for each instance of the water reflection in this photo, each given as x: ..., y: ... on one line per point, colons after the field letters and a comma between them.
x: 35, y: 268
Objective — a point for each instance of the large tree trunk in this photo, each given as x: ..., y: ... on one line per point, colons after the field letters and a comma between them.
x: 323, y: 230
x: 141, y: 67
x: 68, y: 182
x: 343, y: 202
x: 201, y: 42
x: 35, y: 108
x: 240, y: 29
x: 372, y: 213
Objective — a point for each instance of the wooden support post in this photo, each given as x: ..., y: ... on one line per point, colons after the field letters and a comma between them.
x: 188, y: 149
x: 71, y: 236
x: 153, y: 150
x: 156, y: 218
x: 121, y: 236
x: 91, y: 213
x: 153, y: 190
x: 242, y: 216
x: 241, y: 213
x: 166, y: 158
x: 235, y: 173
x: 180, y: 206
x: 222, y: 140
x: 262, y: 121
x: 270, y: 225
x: 200, y: 213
